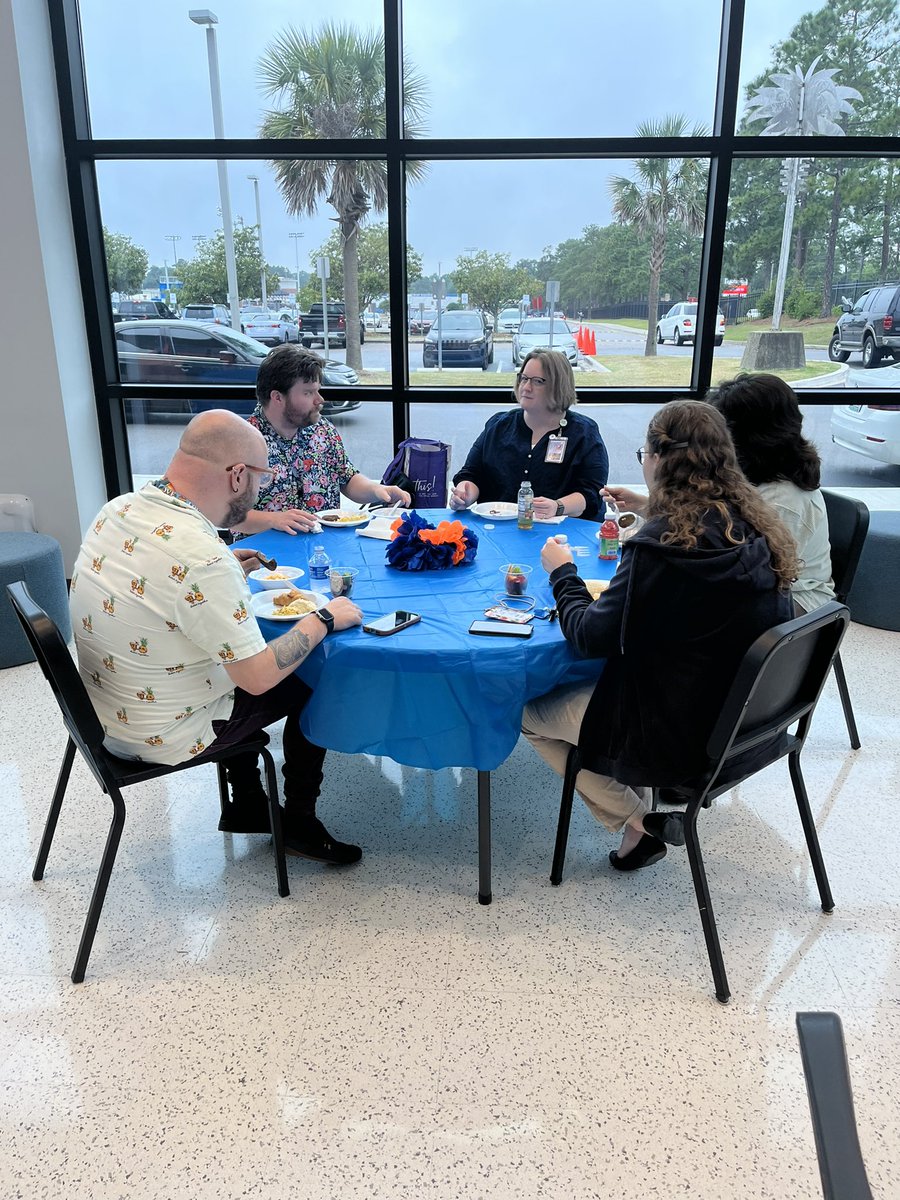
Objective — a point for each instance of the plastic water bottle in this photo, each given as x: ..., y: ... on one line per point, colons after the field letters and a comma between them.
x: 526, y: 505
x: 609, y: 534
x: 319, y: 567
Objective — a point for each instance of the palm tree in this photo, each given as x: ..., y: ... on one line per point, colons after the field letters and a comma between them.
x: 667, y: 190
x: 330, y: 84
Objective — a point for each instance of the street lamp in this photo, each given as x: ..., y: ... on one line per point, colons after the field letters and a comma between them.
x: 204, y: 16
x: 297, y: 237
x: 254, y: 179
x: 173, y: 238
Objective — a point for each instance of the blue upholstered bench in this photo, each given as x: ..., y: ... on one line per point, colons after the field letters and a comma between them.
x: 875, y: 596
x: 38, y: 560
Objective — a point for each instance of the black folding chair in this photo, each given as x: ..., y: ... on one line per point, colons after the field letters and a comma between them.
x: 778, y: 683
x: 848, y: 524
x: 824, y: 1055
x: 112, y: 773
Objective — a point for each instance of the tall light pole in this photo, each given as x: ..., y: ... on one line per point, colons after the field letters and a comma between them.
x: 297, y: 237
x: 173, y: 238
x: 254, y: 179
x: 204, y: 16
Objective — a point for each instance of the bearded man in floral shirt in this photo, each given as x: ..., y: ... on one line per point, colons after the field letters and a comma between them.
x: 307, y: 458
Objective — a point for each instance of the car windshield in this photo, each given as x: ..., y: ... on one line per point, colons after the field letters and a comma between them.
x: 460, y: 320
x: 542, y: 325
x: 509, y: 314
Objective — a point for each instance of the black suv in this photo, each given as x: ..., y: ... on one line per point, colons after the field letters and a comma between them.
x: 141, y: 310
x: 871, y: 325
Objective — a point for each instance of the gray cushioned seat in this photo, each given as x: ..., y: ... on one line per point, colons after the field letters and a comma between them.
x: 38, y: 560
x: 875, y: 596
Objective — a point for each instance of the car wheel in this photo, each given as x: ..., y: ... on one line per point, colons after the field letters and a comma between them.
x: 659, y: 337
x: 679, y: 340
x: 871, y: 355
x: 834, y: 354
x: 718, y: 341
x: 491, y: 355
x: 307, y: 342
x: 362, y: 336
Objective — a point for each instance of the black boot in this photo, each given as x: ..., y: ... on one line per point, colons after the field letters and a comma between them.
x: 248, y: 809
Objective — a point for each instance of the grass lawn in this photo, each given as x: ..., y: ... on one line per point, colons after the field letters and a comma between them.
x: 816, y: 332
x: 623, y: 371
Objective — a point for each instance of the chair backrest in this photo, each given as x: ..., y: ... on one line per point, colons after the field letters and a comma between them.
x: 848, y: 524
x: 62, y: 674
x: 778, y: 682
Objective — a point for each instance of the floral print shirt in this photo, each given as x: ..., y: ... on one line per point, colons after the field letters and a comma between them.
x: 159, y: 605
x: 309, y: 470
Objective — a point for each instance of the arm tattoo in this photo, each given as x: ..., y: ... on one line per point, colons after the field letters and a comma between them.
x: 291, y: 648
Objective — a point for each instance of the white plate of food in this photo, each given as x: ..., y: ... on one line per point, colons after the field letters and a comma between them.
x: 343, y: 518
x: 495, y: 510
x: 278, y: 579
x: 290, y: 605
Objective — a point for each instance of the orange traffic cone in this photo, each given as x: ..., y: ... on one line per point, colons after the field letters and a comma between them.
x: 593, y: 337
x: 579, y: 339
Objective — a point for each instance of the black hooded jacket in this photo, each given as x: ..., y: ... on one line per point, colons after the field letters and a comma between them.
x: 673, y: 627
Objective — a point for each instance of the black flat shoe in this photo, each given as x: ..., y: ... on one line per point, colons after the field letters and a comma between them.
x: 310, y: 839
x: 668, y: 827
x: 648, y: 851
x: 238, y: 819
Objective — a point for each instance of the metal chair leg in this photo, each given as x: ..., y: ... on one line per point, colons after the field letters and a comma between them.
x: 484, y: 837
x: 223, y: 786
x: 573, y: 765
x: 809, y: 828
x: 53, y: 815
x: 844, y: 693
x: 275, y: 821
x: 704, y: 903
x: 99, y: 894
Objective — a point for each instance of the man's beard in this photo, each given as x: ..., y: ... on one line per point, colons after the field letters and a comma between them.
x: 238, y: 509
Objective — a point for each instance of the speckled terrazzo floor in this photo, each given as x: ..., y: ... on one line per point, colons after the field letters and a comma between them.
x: 379, y: 1034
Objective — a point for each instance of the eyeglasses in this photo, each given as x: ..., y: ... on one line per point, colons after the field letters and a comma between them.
x: 536, y: 380
x: 641, y: 455
x: 265, y: 475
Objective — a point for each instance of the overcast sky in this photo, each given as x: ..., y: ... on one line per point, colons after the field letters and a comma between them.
x: 501, y: 68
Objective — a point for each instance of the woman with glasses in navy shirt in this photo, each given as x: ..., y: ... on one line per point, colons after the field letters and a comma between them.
x: 542, y: 440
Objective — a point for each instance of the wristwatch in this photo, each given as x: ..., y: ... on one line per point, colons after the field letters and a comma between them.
x: 327, y: 619
x: 560, y: 509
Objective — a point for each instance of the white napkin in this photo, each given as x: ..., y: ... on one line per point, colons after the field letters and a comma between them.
x: 549, y: 520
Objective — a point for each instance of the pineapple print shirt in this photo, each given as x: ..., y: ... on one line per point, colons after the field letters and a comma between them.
x: 159, y: 604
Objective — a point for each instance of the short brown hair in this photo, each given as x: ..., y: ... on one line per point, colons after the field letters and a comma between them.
x: 282, y: 367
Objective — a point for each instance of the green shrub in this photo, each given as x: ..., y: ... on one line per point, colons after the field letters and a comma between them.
x: 801, y: 303
x: 766, y: 302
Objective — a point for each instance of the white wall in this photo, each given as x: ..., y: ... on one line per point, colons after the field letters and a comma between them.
x: 49, y: 445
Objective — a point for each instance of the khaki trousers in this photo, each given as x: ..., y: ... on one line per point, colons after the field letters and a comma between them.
x: 552, y: 723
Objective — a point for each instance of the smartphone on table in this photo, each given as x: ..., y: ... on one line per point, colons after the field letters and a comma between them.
x: 382, y: 626
x: 501, y: 629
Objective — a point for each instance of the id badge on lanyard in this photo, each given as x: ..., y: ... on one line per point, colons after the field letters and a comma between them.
x: 556, y: 449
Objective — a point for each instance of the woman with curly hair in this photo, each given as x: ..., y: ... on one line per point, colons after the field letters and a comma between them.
x: 710, y: 570
x: 766, y: 426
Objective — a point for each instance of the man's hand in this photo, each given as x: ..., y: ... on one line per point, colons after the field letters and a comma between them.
x: 625, y: 499
x: 248, y: 560
x: 345, y: 613
x: 553, y: 555
x: 465, y: 493
x: 292, y: 520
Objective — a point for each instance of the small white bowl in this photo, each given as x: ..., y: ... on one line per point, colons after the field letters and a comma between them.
x: 278, y: 580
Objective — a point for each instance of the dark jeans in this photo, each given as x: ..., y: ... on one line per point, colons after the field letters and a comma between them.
x: 302, y: 760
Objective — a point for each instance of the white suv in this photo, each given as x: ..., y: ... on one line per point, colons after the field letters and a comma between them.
x: 680, y: 323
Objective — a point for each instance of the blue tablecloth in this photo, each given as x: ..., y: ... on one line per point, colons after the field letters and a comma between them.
x: 434, y: 695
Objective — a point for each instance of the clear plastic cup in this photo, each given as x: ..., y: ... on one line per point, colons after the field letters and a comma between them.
x: 515, y: 578
x: 341, y: 580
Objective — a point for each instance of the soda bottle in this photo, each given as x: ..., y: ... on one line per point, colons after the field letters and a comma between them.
x: 319, y: 567
x: 526, y: 505
x: 609, y: 534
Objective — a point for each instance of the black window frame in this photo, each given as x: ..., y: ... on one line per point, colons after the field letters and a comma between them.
x: 721, y: 148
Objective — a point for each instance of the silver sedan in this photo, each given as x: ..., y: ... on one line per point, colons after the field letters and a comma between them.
x: 534, y: 334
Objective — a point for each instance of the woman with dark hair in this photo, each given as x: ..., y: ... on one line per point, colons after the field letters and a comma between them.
x: 766, y: 426
x: 709, y: 571
x: 561, y: 452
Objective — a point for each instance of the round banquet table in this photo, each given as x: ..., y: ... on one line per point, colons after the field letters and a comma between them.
x: 433, y: 695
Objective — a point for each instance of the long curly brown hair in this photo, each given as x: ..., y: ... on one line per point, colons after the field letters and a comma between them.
x: 697, y: 473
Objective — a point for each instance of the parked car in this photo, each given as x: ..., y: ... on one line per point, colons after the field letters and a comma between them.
x: 509, y: 320
x: 680, y: 324
x: 534, y: 334
x: 312, y: 325
x: 185, y: 352
x: 871, y: 327
x: 271, y: 328
x: 215, y: 314
x: 422, y: 321
x: 869, y: 429
x: 465, y: 341
x: 141, y: 310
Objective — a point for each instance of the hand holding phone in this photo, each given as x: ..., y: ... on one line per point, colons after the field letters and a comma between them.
x: 382, y: 626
